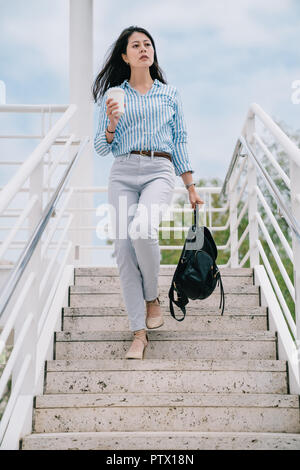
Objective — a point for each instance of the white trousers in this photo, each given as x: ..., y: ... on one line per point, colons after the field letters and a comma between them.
x: 140, y: 191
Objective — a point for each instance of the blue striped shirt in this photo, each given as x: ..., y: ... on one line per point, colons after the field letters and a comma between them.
x: 153, y: 121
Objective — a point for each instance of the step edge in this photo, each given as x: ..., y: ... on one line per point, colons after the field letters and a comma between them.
x: 163, y: 433
x: 74, y: 336
x: 289, y: 401
x: 231, y: 365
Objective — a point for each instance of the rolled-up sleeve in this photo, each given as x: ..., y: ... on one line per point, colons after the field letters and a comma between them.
x: 101, y: 146
x: 180, y: 157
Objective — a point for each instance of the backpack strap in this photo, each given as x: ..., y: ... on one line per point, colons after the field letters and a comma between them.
x: 181, y: 302
x: 182, y: 298
x: 221, y: 292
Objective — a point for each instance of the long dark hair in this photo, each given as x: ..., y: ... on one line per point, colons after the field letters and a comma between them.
x: 115, y: 70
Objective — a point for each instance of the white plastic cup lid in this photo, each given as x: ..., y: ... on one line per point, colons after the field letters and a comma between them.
x: 115, y: 89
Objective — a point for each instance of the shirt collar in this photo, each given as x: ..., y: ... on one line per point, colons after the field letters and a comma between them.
x: 126, y: 84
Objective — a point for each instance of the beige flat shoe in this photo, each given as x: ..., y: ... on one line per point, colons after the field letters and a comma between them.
x: 154, y: 317
x: 138, y: 345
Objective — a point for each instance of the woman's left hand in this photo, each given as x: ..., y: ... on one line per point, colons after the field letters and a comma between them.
x: 194, y: 197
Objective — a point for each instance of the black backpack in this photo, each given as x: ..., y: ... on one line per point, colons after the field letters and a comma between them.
x: 196, y: 274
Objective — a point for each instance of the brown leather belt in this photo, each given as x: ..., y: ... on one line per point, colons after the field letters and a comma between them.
x: 155, y: 154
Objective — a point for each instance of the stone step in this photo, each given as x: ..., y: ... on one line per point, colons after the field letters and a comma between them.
x: 260, y: 365
x: 160, y: 375
x: 167, y: 345
x: 191, y: 322
x: 162, y: 440
x: 191, y: 309
x: 165, y: 270
x: 86, y: 296
x: 110, y: 289
x: 167, y: 412
x: 143, y: 400
x: 163, y: 281
x: 215, y: 374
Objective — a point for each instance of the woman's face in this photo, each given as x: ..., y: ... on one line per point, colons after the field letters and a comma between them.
x: 138, y: 45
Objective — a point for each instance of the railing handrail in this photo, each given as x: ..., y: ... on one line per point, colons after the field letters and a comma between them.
x: 34, y: 108
x: 25, y: 256
x: 17, y: 181
x: 231, y: 167
x: 290, y: 219
x: 292, y: 150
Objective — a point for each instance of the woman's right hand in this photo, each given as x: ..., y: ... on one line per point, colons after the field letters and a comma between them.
x: 113, y: 118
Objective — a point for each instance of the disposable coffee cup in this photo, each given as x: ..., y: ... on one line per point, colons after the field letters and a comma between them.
x: 117, y: 94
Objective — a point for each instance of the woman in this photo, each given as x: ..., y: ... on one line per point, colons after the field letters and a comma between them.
x: 149, y: 145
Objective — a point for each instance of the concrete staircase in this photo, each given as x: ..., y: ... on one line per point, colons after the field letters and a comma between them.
x: 209, y: 382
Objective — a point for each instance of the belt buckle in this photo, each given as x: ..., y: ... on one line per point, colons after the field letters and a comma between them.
x: 143, y: 155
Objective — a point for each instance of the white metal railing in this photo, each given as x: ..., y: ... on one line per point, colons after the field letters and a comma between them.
x: 46, y: 112
x: 244, y: 194
x: 37, y: 282
x: 34, y: 317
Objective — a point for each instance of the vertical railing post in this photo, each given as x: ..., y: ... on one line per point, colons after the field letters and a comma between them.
x: 295, y: 203
x: 32, y: 305
x: 234, y: 255
x: 80, y: 79
x: 36, y: 184
x: 252, y: 195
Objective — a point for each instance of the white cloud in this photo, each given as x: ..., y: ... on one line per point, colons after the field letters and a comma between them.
x: 38, y: 36
x: 234, y: 22
x: 196, y: 33
x: 212, y: 135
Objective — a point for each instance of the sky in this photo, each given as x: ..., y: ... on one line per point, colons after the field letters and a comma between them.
x: 222, y: 55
